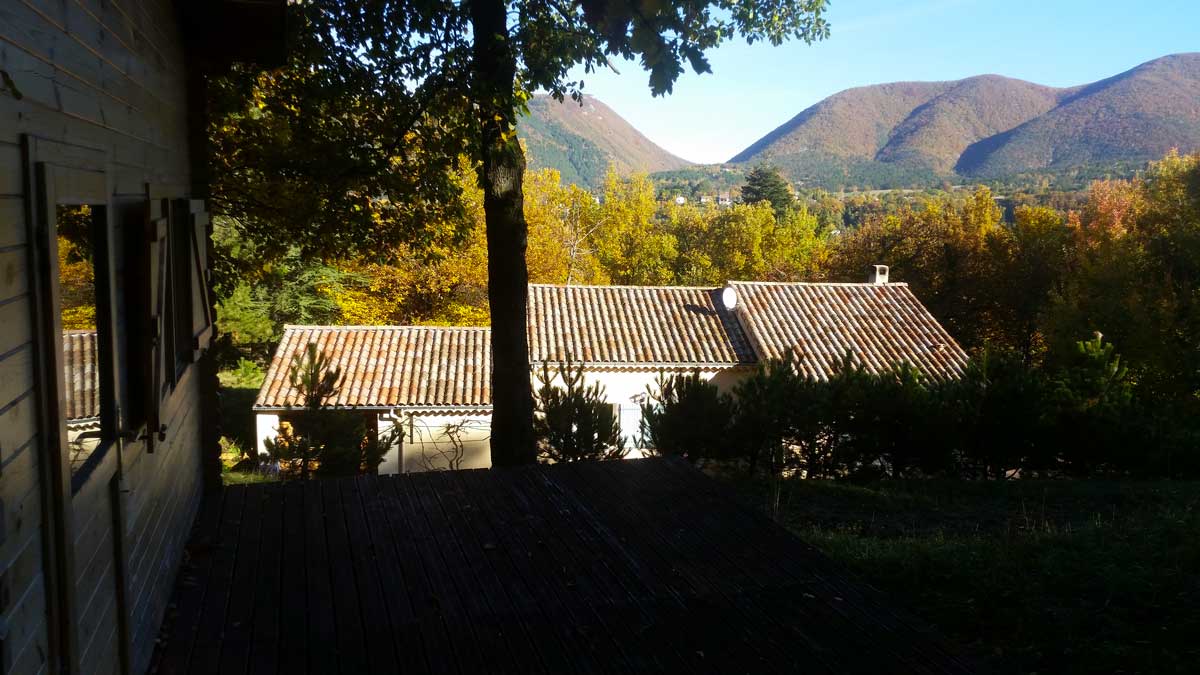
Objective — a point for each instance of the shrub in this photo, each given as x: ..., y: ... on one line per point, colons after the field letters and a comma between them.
x: 1096, y: 418
x: 685, y: 415
x: 898, y: 426
x: 855, y: 424
x: 574, y: 422
x: 302, y: 442
x: 246, y: 374
x: 1084, y: 416
x: 770, y: 404
x: 315, y: 440
x: 1002, y: 418
x: 994, y: 417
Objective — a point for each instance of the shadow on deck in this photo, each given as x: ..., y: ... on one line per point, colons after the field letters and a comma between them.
x: 634, y: 566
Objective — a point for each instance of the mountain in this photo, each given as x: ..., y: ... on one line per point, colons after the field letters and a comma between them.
x: 906, y: 133
x: 1137, y: 115
x: 581, y: 141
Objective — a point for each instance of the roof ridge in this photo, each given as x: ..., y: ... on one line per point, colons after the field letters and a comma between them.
x: 291, y: 326
x: 669, y: 287
x: 816, y: 283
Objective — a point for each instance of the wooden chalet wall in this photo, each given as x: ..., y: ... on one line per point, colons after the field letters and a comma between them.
x: 93, y: 85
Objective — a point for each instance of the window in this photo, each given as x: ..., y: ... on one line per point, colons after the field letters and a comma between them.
x: 629, y: 416
x: 122, y: 309
x: 88, y: 406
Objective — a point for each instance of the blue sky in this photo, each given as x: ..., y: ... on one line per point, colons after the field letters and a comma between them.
x: 754, y: 89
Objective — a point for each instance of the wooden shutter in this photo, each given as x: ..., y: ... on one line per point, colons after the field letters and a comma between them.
x: 159, y: 353
x: 201, y: 277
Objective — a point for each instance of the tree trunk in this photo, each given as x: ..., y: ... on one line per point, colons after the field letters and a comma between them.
x: 501, y: 173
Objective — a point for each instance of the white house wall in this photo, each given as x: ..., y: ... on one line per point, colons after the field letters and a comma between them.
x: 385, y: 427
x: 429, y: 442
x: 427, y: 445
x: 266, y: 427
x: 628, y: 390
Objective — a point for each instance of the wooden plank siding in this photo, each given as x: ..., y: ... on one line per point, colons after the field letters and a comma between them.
x: 102, y: 86
x: 22, y: 582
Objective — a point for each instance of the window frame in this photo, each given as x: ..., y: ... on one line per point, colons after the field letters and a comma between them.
x: 55, y: 186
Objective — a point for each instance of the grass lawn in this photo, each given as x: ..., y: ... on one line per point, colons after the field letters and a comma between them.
x: 1029, y: 576
x: 238, y: 392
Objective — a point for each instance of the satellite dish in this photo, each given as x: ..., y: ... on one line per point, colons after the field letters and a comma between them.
x: 729, y: 297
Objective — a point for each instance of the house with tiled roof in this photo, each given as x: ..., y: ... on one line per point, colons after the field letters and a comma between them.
x: 428, y: 379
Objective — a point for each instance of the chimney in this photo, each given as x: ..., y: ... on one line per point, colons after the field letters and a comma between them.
x: 879, y: 275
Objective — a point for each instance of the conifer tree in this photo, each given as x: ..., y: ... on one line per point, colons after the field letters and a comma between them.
x: 765, y: 184
x: 301, y: 443
x: 685, y: 415
x: 574, y: 422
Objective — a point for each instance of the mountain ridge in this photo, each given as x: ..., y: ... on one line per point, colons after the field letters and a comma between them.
x: 987, y: 126
x: 581, y: 141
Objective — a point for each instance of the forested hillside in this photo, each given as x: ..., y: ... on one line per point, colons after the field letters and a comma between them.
x: 913, y: 134
x: 581, y: 141
x: 1137, y: 115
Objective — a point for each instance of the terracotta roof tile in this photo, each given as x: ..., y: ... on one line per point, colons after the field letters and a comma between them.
x: 881, y: 324
x: 82, y: 396
x: 643, y: 326
x: 389, y: 366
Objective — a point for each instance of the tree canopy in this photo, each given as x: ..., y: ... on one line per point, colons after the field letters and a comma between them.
x: 352, y: 147
x: 765, y: 184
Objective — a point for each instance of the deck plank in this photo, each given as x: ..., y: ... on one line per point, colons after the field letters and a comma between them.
x: 322, y: 629
x: 491, y: 633
x: 848, y: 610
x: 738, y: 580
x: 619, y: 609
x: 264, y: 644
x: 207, y: 640
x: 542, y: 597
x: 193, y: 583
x: 376, y: 622
x: 645, y: 566
x: 294, y: 564
x: 239, y: 616
x: 352, y: 655
x: 443, y: 606
x: 700, y: 633
x: 396, y: 580
x: 554, y: 559
x: 461, y: 510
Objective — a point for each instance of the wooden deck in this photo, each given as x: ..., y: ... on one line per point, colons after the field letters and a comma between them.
x: 616, y: 567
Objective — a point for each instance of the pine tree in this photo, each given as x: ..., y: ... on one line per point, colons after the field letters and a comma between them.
x: 685, y: 415
x: 301, y: 443
x: 322, y: 441
x: 764, y: 183
x: 574, y: 422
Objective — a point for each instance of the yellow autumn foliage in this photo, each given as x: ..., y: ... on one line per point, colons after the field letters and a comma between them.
x: 77, y: 283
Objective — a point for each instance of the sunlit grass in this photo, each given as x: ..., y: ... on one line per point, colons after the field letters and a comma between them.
x: 239, y: 387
